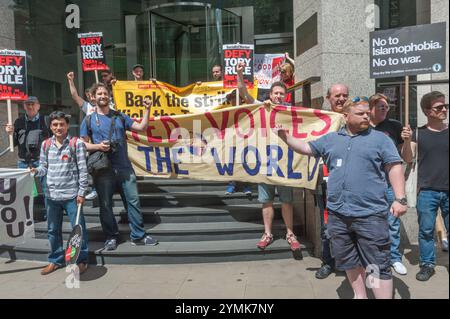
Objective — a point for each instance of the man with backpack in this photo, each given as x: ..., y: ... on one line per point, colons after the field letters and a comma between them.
x: 63, y: 161
x: 104, y: 133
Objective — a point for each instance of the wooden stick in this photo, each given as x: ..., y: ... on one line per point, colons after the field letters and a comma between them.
x: 11, y: 140
x: 237, y: 97
x: 407, y: 100
x: 96, y: 76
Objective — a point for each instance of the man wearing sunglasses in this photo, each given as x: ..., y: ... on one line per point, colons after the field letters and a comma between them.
x: 379, y: 109
x: 336, y: 96
x: 357, y: 157
x: 431, y: 143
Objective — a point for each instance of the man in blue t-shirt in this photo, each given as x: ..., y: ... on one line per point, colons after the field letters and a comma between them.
x: 121, y: 175
x: 357, y: 157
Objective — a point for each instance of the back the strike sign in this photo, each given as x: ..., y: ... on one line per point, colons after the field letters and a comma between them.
x: 92, y: 53
x: 13, y: 75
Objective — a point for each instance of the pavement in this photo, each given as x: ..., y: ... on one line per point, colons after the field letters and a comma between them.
x: 274, y: 279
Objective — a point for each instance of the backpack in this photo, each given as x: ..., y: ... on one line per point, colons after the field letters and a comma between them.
x: 72, y: 147
x: 89, y: 127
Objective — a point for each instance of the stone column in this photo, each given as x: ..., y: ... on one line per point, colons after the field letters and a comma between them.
x: 342, y: 50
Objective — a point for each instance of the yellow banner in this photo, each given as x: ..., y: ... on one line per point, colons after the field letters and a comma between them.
x: 169, y: 100
x: 232, y: 144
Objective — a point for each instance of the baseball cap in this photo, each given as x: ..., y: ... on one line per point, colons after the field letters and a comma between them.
x: 138, y: 66
x: 31, y: 99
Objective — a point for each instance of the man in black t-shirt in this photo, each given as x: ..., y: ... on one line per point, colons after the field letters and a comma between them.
x: 379, y: 108
x: 430, y: 142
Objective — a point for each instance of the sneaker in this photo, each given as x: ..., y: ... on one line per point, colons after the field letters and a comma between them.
x: 91, y: 195
x: 247, y: 190
x: 444, y: 245
x: 111, y: 244
x: 399, y: 268
x: 425, y: 273
x: 293, y: 242
x: 324, y: 271
x: 265, y: 241
x: 146, y: 241
x: 231, y: 188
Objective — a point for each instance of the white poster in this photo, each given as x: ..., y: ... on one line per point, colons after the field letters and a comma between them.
x: 266, y: 69
x: 16, y: 206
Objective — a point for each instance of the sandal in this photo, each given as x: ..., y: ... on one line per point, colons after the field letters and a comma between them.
x: 265, y: 241
x: 293, y: 242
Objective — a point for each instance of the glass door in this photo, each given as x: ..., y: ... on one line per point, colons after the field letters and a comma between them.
x: 171, y: 51
x: 179, y: 43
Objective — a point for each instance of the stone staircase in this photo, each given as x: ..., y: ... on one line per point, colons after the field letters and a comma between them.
x: 194, y: 221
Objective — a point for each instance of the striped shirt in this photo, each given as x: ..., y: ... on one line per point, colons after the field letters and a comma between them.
x: 66, y: 176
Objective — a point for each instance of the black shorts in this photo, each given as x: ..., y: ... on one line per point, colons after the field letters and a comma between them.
x: 361, y: 242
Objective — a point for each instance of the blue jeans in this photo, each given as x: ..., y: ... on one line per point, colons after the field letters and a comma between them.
x: 327, y: 258
x: 428, y: 203
x: 394, y: 229
x: 106, y: 183
x: 55, y: 213
x: 42, y: 180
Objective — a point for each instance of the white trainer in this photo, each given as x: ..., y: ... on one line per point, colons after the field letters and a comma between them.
x: 444, y: 245
x: 91, y: 195
x: 399, y: 268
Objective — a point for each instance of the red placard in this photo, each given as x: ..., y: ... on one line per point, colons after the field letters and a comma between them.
x: 92, y: 53
x: 233, y: 55
x: 13, y: 75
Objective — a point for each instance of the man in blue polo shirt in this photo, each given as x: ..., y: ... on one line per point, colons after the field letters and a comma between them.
x: 357, y: 157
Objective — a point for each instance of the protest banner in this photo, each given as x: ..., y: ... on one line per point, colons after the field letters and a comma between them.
x: 16, y: 206
x: 266, y: 69
x: 92, y: 54
x: 169, y: 100
x: 13, y: 80
x: 233, y: 55
x: 230, y: 144
x: 408, y: 51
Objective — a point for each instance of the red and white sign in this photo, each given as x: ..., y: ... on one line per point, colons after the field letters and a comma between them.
x: 233, y: 55
x: 266, y: 69
x: 13, y: 75
x: 92, y: 53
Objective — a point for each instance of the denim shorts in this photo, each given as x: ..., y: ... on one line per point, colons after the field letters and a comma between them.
x: 361, y: 242
x: 266, y: 193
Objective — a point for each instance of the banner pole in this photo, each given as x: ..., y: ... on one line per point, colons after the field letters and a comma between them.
x: 96, y: 76
x: 407, y: 100
x: 11, y: 140
x: 237, y: 97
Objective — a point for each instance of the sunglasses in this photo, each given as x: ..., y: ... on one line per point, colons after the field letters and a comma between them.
x: 360, y: 99
x: 439, y: 108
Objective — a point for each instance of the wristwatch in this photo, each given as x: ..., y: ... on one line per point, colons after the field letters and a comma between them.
x: 402, y: 201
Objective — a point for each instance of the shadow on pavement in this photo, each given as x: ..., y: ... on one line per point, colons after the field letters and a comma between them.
x: 94, y: 273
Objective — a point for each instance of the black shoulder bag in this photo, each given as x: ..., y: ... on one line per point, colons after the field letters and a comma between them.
x: 98, y: 161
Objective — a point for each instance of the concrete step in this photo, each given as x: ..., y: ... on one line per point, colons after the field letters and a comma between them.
x: 166, y: 253
x: 156, y: 215
x: 180, y: 199
x: 178, y: 232
x: 173, y: 185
